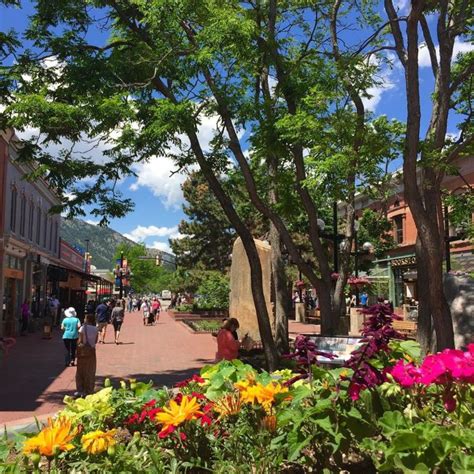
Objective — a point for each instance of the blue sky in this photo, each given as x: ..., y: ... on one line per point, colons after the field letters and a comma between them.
x: 157, y: 196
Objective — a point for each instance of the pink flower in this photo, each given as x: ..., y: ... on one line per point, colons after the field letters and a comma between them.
x: 449, y: 402
x: 405, y: 374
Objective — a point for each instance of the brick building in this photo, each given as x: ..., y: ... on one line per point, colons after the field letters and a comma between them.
x: 34, y: 262
x: 395, y: 275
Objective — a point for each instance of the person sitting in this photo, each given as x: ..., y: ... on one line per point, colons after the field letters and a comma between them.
x: 227, y: 344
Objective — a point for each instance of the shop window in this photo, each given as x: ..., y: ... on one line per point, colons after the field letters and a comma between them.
x: 56, y: 228
x: 13, y: 210
x: 22, y: 215
x: 31, y: 219
x: 398, y: 229
x: 45, y: 229
x: 39, y: 218
x: 50, y: 234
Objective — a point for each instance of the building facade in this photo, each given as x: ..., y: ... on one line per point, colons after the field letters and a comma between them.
x: 395, y: 275
x: 29, y: 238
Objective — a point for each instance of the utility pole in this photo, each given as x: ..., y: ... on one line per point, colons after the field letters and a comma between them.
x: 121, y: 276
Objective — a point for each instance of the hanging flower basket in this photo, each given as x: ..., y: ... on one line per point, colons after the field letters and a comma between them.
x: 358, y: 281
x: 300, y: 283
x: 334, y: 276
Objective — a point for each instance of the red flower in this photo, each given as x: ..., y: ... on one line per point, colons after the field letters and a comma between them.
x: 182, y: 436
x: 198, y: 395
x: 151, y: 403
x: 206, y: 420
x: 164, y: 433
x: 178, y: 398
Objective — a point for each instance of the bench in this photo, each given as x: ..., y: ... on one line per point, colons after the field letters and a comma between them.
x: 408, y: 328
x: 340, y: 346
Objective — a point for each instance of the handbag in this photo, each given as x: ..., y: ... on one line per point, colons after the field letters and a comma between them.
x: 84, y: 349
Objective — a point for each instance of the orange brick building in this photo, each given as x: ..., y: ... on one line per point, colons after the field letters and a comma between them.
x: 395, y: 275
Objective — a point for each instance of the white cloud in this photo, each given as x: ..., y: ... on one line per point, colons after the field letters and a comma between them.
x: 376, y: 95
x: 91, y: 222
x: 177, y: 236
x: 163, y: 246
x: 159, y: 173
x: 140, y: 233
x: 459, y: 47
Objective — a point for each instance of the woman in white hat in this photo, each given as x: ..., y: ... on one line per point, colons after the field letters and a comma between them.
x: 70, y: 326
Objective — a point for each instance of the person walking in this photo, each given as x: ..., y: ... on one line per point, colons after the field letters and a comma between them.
x: 86, y: 357
x: 118, y: 315
x: 25, y: 316
x: 155, y: 309
x: 102, y: 313
x: 70, y: 326
x: 145, y: 307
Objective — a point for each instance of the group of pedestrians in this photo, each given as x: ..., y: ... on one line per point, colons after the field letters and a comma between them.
x: 151, y: 311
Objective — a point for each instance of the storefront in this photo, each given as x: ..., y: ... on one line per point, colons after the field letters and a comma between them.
x: 405, y: 280
x: 13, y: 289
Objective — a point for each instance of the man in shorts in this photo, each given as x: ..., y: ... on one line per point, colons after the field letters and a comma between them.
x: 102, y: 314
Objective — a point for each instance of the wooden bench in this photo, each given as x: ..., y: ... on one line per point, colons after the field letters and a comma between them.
x: 408, y: 328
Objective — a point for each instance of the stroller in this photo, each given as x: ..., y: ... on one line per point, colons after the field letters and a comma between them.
x: 151, y: 318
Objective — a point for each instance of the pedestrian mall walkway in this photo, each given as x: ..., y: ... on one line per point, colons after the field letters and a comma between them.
x: 34, y: 381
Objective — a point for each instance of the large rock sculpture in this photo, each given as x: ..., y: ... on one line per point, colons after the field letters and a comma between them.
x: 242, y: 306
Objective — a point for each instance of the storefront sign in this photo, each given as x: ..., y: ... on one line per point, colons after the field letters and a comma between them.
x: 12, y: 273
x: 403, y: 261
x: 71, y: 257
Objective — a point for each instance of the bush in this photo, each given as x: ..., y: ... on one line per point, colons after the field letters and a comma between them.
x: 214, y: 292
x: 387, y: 411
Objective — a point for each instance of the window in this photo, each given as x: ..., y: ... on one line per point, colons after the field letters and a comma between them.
x: 13, y: 209
x: 22, y: 215
x: 398, y: 229
x: 56, y: 228
x: 45, y: 228
x: 50, y: 234
x: 31, y: 219
x: 39, y: 218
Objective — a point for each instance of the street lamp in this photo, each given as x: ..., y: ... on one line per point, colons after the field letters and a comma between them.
x: 334, y: 236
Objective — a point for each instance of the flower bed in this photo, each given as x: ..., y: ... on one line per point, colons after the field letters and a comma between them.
x: 203, y: 325
x: 386, y: 411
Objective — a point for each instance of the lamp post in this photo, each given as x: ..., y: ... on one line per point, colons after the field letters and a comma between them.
x: 121, y: 276
x: 366, y: 248
x: 334, y: 236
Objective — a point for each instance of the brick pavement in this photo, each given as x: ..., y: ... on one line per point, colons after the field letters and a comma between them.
x: 34, y: 379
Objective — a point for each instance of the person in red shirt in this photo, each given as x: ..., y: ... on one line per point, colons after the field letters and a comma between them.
x: 227, y: 344
x: 155, y: 309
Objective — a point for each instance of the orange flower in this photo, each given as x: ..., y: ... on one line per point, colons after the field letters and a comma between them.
x: 269, y: 422
x: 228, y: 405
x: 178, y: 413
x: 55, y: 437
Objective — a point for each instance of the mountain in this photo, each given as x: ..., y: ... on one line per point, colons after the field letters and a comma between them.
x: 102, y: 240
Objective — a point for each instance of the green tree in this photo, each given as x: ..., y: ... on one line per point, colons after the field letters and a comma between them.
x: 147, y: 277
x: 228, y: 60
x: 427, y: 157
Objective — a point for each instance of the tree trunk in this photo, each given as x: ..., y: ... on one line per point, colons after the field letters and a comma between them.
x: 248, y: 242
x: 280, y: 293
x: 425, y: 323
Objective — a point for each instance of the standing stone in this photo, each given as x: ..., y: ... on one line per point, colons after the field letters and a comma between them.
x: 241, y: 299
x: 460, y: 295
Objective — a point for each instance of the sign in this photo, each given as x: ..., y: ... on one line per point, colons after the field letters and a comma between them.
x: 71, y: 257
x: 12, y: 273
x: 403, y: 261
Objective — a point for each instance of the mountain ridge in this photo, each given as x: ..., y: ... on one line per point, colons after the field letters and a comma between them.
x: 103, y: 241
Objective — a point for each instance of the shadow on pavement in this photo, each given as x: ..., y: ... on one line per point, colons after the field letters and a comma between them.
x: 36, y: 363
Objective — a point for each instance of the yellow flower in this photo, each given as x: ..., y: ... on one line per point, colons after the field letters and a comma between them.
x: 178, y: 413
x: 97, y: 442
x: 54, y: 437
x: 228, y: 405
x: 258, y: 393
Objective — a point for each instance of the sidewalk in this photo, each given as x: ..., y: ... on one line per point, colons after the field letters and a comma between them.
x: 34, y: 379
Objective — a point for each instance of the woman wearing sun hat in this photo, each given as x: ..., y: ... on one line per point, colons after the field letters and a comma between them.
x: 70, y: 326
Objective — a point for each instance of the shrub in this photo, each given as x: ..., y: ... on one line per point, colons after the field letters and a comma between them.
x: 214, y: 292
